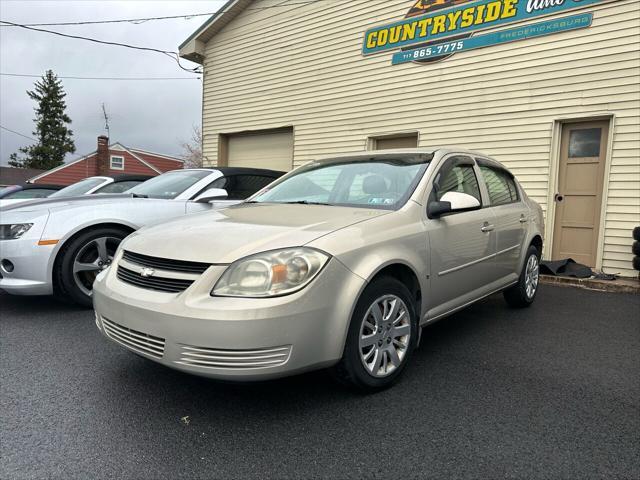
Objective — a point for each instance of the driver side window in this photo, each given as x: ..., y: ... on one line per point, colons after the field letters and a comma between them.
x: 456, y: 175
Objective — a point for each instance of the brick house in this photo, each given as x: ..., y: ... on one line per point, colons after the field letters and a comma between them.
x: 111, y: 159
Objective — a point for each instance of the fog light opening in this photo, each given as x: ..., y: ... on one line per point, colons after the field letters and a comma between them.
x: 7, y: 265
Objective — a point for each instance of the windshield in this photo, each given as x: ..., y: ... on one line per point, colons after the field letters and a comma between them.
x: 118, y: 187
x: 169, y: 185
x: 30, y: 193
x: 383, y: 183
x: 79, y: 188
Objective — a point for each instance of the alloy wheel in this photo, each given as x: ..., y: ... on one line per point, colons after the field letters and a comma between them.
x: 531, y: 276
x: 385, y: 334
x: 91, y: 259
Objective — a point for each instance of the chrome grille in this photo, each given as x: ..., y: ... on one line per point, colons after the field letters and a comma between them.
x: 132, y: 339
x: 234, y: 359
x: 172, y: 285
x: 165, y: 263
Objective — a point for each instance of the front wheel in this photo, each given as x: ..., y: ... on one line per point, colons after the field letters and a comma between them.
x: 82, y: 259
x: 381, y: 338
x: 523, y: 293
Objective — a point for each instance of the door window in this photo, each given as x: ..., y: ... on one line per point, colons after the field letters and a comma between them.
x: 457, y: 175
x: 502, y: 188
x: 585, y: 142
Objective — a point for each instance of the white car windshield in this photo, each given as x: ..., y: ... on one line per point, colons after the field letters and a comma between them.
x: 79, y: 188
x: 169, y: 185
x: 378, y: 183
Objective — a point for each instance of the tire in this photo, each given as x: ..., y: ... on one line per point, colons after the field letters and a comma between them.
x: 635, y: 248
x: 636, y: 234
x: 523, y: 293
x: 86, y: 251
x: 383, y: 370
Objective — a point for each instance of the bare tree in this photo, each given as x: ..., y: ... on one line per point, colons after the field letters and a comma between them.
x: 192, y: 149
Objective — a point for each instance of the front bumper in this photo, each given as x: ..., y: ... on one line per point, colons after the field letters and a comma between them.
x: 231, y: 338
x: 30, y: 275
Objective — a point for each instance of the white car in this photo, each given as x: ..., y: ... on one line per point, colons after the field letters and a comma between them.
x: 86, y: 186
x: 58, y: 245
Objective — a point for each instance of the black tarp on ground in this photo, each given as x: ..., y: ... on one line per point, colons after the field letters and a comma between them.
x: 565, y: 268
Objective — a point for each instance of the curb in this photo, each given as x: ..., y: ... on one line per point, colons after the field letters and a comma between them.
x: 629, y: 285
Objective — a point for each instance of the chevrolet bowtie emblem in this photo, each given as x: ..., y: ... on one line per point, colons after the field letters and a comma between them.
x: 147, y: 272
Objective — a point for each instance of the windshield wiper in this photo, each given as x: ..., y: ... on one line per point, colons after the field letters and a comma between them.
x: 139, y: 195
x: 306, y: 202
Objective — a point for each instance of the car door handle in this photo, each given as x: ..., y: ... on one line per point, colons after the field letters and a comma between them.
x: 487, y: 228
x: 523, y: 219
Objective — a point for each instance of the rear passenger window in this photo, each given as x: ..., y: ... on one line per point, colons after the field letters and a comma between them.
x: 457, y: 175
x: 502, y: 188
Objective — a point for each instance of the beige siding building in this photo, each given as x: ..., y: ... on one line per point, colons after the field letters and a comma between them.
x: 286, y: 82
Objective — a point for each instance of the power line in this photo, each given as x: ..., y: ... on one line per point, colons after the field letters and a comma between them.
x: 136, y: 21
x: 18, y: 133
x: 172, y: 55
x: 100, y: 78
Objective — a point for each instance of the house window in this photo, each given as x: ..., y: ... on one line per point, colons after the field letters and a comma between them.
x: 389, y: 142
x: 117, y: 163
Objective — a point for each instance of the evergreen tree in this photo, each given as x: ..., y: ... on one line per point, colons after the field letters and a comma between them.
x: 54, y: 138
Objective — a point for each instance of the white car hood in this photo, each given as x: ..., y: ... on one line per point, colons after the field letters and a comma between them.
x: 227, y: 235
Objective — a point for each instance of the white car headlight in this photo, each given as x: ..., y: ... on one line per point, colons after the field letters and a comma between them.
x: 271, y: 274
x: 12, y: 231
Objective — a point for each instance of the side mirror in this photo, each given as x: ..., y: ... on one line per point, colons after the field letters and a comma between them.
x: 452, y: 202
x: 211, y: 195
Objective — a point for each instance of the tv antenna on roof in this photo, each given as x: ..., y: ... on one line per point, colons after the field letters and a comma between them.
x: 106, y: 120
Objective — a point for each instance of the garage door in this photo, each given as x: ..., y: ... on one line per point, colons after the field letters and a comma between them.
x: 273, y: 149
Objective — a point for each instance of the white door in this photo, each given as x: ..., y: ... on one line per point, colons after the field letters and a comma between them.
x: 272, y: 150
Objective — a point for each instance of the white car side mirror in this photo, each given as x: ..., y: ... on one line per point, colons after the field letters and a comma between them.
x: 212, y: 194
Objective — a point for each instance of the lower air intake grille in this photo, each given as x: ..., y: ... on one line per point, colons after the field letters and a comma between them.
x: 134, y: 340
x: 173, y: 285
x: 234, y: 359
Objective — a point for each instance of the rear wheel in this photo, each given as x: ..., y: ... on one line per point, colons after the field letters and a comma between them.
x: 523, y: 293
x: 381, y: 338
x: 81, y: 261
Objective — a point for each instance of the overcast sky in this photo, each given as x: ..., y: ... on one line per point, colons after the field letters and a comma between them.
x: 151, y: 115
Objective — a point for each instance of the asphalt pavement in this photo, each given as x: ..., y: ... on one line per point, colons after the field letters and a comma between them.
x: 548, y: 392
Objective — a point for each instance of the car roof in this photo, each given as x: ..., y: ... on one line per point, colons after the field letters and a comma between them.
x: 125, y: 177
x: 250, y: 171
x: 408, y: 152
x: 29, y: 186
x: 236, y: 171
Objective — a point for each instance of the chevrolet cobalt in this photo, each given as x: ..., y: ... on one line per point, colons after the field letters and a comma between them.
x: 337, y: 264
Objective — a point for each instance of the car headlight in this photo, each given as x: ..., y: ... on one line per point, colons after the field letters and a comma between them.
x: 271, y: 274
x: 14, y: 230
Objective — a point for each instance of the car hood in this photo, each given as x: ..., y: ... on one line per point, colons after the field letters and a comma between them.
x: 224, y: 236
x: 49, y: 203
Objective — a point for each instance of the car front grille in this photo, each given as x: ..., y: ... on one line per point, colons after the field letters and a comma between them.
x: 137, y: 341
x: 165, y: 263
x: 234, y: 359
x: 171, y: 285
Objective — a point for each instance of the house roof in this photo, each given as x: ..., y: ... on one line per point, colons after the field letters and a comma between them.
x: 193, y: 47
x: 114, y: 146
x: 14, y: 176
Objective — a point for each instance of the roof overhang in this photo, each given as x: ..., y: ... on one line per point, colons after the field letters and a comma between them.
x: 193, y: 48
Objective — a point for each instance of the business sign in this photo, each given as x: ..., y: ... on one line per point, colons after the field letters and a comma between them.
x: 496, y: 38
x: 460, y: 19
